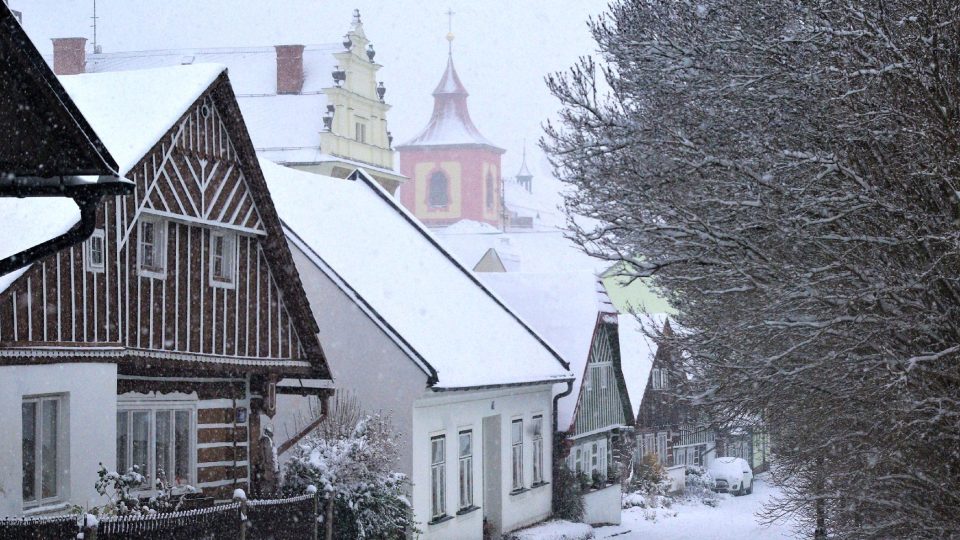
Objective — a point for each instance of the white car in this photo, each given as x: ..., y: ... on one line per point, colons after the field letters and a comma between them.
x: 731, y: 474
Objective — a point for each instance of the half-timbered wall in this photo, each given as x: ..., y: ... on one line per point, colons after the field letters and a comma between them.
x: 600, y: 407
x: 193, y: 180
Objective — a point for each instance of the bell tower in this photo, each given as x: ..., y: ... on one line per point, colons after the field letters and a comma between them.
x: 454, y: 171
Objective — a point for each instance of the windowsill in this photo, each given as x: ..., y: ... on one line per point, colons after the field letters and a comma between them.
x: 467, y: 510
x: 46, y: 508
x: 539, y: 484
x: 154, y: 274
x: 519, y: 491
x: 440, y: 519
x: 222, y: 284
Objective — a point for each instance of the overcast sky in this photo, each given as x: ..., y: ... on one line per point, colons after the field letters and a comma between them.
x: 503, y: 48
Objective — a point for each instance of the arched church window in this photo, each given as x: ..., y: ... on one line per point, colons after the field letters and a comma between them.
x: 490, y: 194
x: 438, y: 190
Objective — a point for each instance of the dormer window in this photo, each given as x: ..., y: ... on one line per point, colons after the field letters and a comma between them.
x: 152, y: 247
x: 223, y: 258
x: 95, y: 254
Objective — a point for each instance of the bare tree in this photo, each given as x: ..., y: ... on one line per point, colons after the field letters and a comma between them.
x: 786, y: 173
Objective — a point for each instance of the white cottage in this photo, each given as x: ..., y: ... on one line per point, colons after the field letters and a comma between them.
x: 573, y: 313
x: 411, y: 331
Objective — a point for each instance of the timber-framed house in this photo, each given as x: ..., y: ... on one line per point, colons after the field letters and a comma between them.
x: 162, y: 340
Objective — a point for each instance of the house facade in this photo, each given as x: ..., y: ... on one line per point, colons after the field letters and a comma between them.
x: 572, y: 312
x: 316, y: 107
x: 673, y: 432
x: 161, y: 340
x: 469, y: 386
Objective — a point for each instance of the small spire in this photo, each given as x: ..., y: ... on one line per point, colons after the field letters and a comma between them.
x: 450, y: 15
x: 524, y: 178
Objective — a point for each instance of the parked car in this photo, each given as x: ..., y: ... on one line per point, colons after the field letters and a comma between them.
x: 731, y: 474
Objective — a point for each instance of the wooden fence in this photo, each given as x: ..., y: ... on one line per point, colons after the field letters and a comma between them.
x: 294, y: 518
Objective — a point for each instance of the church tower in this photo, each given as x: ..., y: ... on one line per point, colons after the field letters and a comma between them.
x: 453, y: 170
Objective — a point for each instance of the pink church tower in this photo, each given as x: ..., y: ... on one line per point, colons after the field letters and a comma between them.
x: 454, y: 171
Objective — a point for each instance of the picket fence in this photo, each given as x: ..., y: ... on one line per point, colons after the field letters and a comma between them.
x: 267, y: 519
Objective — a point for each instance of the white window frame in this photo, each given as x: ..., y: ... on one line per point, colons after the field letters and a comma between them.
x: 578, y: 460
x: 655, y: 374
x: 662, y: 447
x: 604, y: 374
x: 516, y: 453
x: 537, y: 426
x: 152, y: 408
x: 61, y: 450
x: 98, y: 236
x: 360, y: 130
x: 159, y: 268
x: 228, y: 260
x: 438, y: 478
x: 465, y: 469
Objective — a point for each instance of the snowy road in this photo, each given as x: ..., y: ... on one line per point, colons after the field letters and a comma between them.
x: 734, y: 518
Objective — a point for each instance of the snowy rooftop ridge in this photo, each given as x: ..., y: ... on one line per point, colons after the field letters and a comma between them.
x: 563, y: 307
x: 465, y: 333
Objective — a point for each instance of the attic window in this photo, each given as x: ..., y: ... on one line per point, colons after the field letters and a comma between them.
x: 205, y: 110
x: 438, y: 190
x: 223, y: 257
x: 152, y: 247
x: 94, y: 253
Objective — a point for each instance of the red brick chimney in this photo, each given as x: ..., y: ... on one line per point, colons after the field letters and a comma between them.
x: 289, y: 69
x: 69, y: 55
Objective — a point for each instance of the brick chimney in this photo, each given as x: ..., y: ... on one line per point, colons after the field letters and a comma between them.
x: 69, y: 55
x: 289, y: 69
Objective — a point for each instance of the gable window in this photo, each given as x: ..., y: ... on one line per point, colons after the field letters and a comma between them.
x: 438, y: 479
x: 152, y: 247
x: 158, y: 442
x: 40, y: 442
x: 438, y: 195
x: 466, y: 469
x: 603, y: 376
x: 94, y: 253
x: 490, y: 194
x: 516, y: 439
x: 223, y: 259
x: 537, y: 449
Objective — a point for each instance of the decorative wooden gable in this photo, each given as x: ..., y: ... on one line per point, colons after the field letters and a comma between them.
x: 600, y: 406
x: 208, y: 293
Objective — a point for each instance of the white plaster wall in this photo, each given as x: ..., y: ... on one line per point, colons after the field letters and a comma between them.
x: 450, y: 412
x: 602, y: 507
x: 364, y: 360
x: 89, y: 427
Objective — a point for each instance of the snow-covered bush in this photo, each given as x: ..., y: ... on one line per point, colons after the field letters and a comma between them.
x: 122, y: 499
x: 699, y: 486
x: 353, y: 469
x: 567, y: 495
x: 649, y: 477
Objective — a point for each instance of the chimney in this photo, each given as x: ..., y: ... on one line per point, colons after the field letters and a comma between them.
x: 289, y: 69
x: 69, y: 55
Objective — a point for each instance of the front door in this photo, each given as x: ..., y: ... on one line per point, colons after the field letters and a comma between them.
x: 492, y: 474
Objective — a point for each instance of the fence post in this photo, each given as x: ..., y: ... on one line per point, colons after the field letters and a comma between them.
x: 239, y: 496
x: 328, y: 520
x: 89, y: 526
x: 311, y: 489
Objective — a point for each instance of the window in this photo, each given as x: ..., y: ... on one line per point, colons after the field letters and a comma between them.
x: 516, y: 437
x: 648, y: 445
x: 152, y: 247
x: 360, y: 132
x: 42, y: 430
x: 537, y: 449
x: 603, y: 376
x: 490, y: 194
x: 438, y: 190
x: 95, y: 251
x: 438, y: 490
x: 594, y: 458
x: 662, y: 447
x: 158, y: 442
x: 578, y: 461
x: 223, y: 259
x: 466, y: 469
x: 659, y: 379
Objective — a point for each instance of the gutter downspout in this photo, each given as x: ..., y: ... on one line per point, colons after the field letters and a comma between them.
x: 78, y: 233
x: 558, y: 438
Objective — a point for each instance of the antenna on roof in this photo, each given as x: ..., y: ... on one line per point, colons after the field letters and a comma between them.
x: 96, y: 47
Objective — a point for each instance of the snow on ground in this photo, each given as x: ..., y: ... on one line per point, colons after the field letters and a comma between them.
x: 733, y: 518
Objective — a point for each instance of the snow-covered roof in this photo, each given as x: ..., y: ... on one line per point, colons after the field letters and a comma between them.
x: 283, y: 127
x: 132, y: 110
x: 563, y: 307
x: 462, y: 330
x: 637, y: 351
x: 450, y: 124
